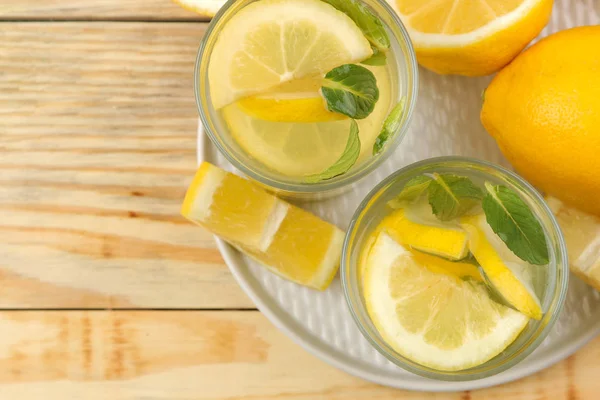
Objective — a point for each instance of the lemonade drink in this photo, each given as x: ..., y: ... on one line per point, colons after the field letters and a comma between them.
x: 452, y: 268
x: 304, y: 95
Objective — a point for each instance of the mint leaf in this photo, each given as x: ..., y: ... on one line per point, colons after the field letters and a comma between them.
x: 377, y: 59
x: 451, y: 196
x: 390, y: 126
x: 411, y: 191
x: 512, y: 220
x: 346, y: 160
x: 363, y: 17
x: 350, y: 90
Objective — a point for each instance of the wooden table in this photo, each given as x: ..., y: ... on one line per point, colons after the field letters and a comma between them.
x: 105, y: 291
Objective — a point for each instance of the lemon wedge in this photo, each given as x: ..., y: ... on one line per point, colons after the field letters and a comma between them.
x: 203, y: 7
x: 506, y: 272
x: 434, y: 319
x: 582, y: 235
x: 287, y: 240
x: 427, y: 234
x: 269, y: 42
x: 295, y: 101
x: 471, y: 37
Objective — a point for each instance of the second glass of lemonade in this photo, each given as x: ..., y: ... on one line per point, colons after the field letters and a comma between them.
x: 306, y: 96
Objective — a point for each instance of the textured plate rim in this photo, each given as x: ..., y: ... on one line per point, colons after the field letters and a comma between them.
x: 324, y: 353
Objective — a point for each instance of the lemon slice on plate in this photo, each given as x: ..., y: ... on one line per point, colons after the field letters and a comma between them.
x: 434, y: 319
x: 270, y: 42
x: 582, y: 235
x: 471, y: 37
x: 507, y: 273
x: 287, y: 240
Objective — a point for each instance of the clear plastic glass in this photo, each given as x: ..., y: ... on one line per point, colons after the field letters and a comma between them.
x: 551, y: 292
x: 401, y: 54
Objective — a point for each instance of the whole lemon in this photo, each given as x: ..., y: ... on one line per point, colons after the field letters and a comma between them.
x: 543, y: 109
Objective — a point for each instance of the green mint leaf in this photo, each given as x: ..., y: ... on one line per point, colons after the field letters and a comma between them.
x: 350, y: 90
x: 377, y: 59
x: 451, y: 196
x: 390, y: 126
x: 512, y: 220
x: 346, y: 160
x: 363, y: 17
x: 413, y: 189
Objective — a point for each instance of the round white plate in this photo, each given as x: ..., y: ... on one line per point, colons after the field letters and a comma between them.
x: 446, y: 122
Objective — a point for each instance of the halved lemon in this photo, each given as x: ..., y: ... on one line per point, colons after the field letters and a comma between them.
x: 429, y: 235
x: 207, y: 8
x: 471, y: 37
x: 434, y: 319
x: 270, y: 42
x: 285, y: 239
x: 582, y: 235
x: 507, y: 273
x: 299, y: 100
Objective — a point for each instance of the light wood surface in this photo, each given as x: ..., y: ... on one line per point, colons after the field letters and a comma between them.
x: 97, y: 137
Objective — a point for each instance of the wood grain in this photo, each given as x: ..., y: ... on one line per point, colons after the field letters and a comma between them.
x: 211, y: 355
x: 97, y: 143
x: 142, y: 10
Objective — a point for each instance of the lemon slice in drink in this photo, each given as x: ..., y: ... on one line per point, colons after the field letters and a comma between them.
x: 287, y: 240
x: 270, y: 42
x: 412, y: 228
x: 299, y: 100
x: 434, y: 319
x: 505, y: 271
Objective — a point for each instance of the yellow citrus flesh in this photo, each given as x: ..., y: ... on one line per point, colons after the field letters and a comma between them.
x: 441, y: 266
x: 296, y: 101
x: 582, y: 235
x: 269, y: 42
x: 469, y: 37
x: 287, y: 240
x: 506, y: 272
x: 434, y: 319
x: 206, y: 8
x: 547, y: 92
x: 305, y: 250
x: 443, y: 240
x: 300, y: 149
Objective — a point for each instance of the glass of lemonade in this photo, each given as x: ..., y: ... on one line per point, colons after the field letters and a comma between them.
x: 306, y: 96
x: 454, y: 268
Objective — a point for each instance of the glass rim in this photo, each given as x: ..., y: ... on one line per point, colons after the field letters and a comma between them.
x: 410, y: 61
x: 557, y: 301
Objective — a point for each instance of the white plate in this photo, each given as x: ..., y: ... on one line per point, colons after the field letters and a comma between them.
x: 446, y: 122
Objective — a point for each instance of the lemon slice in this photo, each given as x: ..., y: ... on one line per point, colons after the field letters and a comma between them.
x: 582, y: 235
x: 434, y: 319
x: 507, y: 273
x: 429, y: 235
x: 285, y: 239
x: 300, y: 149
x: 471, y: 37
x: 270, y: 42
x: 299, y: 100
x: 207, y: 8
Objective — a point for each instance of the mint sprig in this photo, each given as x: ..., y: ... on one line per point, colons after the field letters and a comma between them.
x: 346, y: 160
x: 378, y: 58
x: 412, y: 190
x: 512, y: 220
x: 451, y: 196
x: 370, y: 25
x: 390, y: 126
x: 350, y: 90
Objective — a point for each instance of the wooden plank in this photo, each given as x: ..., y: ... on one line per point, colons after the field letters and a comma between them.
x: 211, y: 355
x: 97, y: 145
x: 95, y: 10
